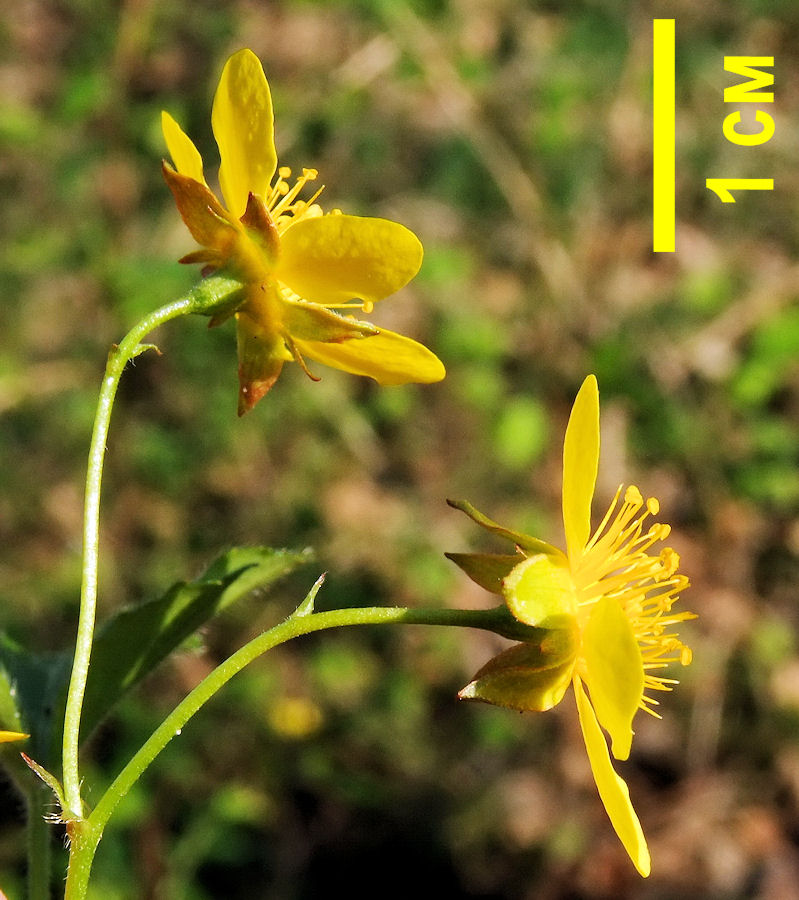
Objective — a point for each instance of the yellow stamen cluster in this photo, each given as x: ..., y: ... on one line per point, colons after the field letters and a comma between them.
x: 615, y: 563
x: 286, y: 209
x: 282, y: 203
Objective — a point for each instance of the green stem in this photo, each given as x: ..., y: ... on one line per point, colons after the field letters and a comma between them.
x: 85, y: 842
x: 118, y: 358
x: 204, y: 298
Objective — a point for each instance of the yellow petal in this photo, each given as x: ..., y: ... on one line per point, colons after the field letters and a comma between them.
x: 614, y: 671
x: 539, y: 591
x: 331, y: 259
x: 244, y: 128
x: 612, y: 789
x: 8, y: 736
x: 185, y: 155
x: 387, y: 357
x: 580, y: 463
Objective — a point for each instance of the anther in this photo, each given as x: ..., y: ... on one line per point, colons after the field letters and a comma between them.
x: 633, y: 496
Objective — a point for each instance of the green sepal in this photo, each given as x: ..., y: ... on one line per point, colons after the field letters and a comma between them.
x: 540, y: 591
x: 138, y: 638
x: 261, y: 357
x: 218, y: 296
x: 311, y: 322
x: 527, y: 543
x: 528, y: 677
x: 486, y: 569
x: 261, y: 227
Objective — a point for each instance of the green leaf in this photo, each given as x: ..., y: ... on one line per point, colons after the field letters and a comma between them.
x: 138, y: 638
x: 31, y: 685
x: 10, y: 718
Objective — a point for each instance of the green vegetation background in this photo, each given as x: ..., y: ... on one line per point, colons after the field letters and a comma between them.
x: 514, y: 138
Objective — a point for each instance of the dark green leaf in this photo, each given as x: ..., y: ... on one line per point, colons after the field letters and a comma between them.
x: 33, y: 683
x: 138, y: 638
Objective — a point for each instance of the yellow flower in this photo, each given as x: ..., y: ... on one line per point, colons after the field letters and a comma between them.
x: 7, y: 736
x: 605, y: 613
x: 296, y: 265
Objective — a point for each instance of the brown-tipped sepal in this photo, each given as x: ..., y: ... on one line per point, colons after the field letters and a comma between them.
x: 261, y: 358
x: 205, y: 217
x: 261, y: 227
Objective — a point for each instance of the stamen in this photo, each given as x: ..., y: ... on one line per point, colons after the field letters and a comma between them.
x: 282, y: 201
x: 298, y: 356
x: 617, y: 563
x: 603, y: 523
x: 633, y: 496
x: 364, y: 305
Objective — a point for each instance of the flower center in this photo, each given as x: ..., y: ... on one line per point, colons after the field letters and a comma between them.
x: 282, y: 201
x: 616, y: 563
x: 286, y: 209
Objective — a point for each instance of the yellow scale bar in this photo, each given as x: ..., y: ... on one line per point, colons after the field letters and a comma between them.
x: 663, y: 136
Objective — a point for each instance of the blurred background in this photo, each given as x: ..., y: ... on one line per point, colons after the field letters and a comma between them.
x: 514, y: 138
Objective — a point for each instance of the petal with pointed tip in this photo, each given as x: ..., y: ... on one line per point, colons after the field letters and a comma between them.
x: 7, y: 736
x: 612, y: 789
x: 580, y: 463
x: 243, y: 123
x: 614, y: 671
x: 387, y: 357
x: 185, y: 155
x: 331, y: 259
